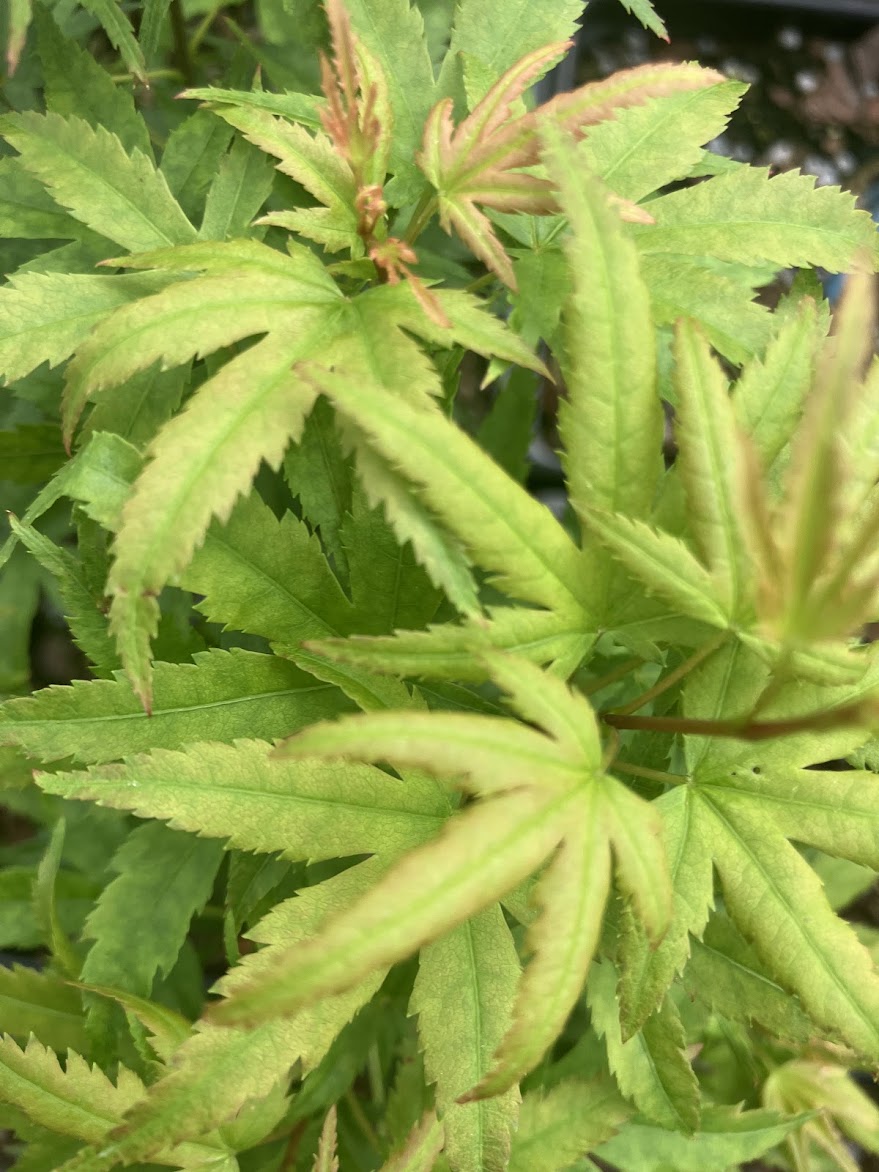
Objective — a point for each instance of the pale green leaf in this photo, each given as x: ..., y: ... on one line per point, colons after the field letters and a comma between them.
x: 834, y: 811
x: 745, y: 216
x: 423, y: 1144
x: 305, y: 809
x: 44, y: 317
x: 304, y: 108
x: 117, y: 26
x: 682, y: 286
x: 325, y: 1159
x: 768, y: 397
x: 81, y: 1101
x: 635, y: 829
x: 87, y: 170
x: 241, y: 187
x: 725, y: 973
x: 497, y: 35
x: 571, y: 894
x: 75, y: 83
x: 651, y: 1068
x: 663, y: 563
x: 727, y: 1138
x: 556, y: 1128
x: 82, y: 610
x: 41, y: 1003
x: 27, y: 211
x: 483, y: 853
x: 455, y: 652
x: 393, y: 32
x: 444, y: 560
x: 647, y: 970
x: 206, y: 1086
x: 712, y: 465
x: 645, y: 147
x: 542, y: 699
x: 611, y: 421
x: 505, y: 529
x: 202, y: 460
x: 268, y: 577
x: 766, y: 887
x: 471, y: 325
x: 224, y: 695
x: 463, y: 996
x: 646, y: 13
x: 491, y: 754
x: 194, y: 318
x: 309, y: 159
x: 46, y: 904
x: 139, y: 924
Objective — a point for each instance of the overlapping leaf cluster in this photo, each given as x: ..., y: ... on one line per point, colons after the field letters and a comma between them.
x: 500, y: 839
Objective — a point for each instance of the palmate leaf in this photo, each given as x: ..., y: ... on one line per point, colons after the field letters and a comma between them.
x: 745, y: 216
x: 306, y: 809
x: 644, y: 148
x: 267, y: 577
x: 118, y: 195
x: 556, y: 1128
x: 713, y: 467
x: 790, y: 925
x: 650, y: 1068
x: 454, y: 652
x: 611, y: 421
x: 393, y: 32
x: 311, y: 161
x: 201, y: 462
x: 388, y: 924
x: 28, y: 212
x: 81, y: 1101
x: 724, y: 972
x: 241, y: 186
x: 504, y: 529
x: 770, y: 392
x: 423, y: 1144
x: 205, y: 1086
x: 142, y: 917
x: 727, y: 1138
x: 548, y: 782
x: 224, y: 695
x: 665, y: 565
x: 442, y: 556
x: 38, y: 1003
x: 463, y: 996
x: 494, y: 36
x: 74, y: 83
x: 45, y: 316
x: 247, y: 289
x: 682, y: 287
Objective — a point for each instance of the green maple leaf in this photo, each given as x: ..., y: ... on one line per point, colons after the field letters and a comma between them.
x: 739, y: 805
x: 550, y: 784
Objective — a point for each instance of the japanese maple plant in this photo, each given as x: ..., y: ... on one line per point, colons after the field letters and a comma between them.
x: 398, y: 822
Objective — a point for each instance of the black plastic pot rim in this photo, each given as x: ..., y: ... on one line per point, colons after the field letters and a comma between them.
x: 828, y: 7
